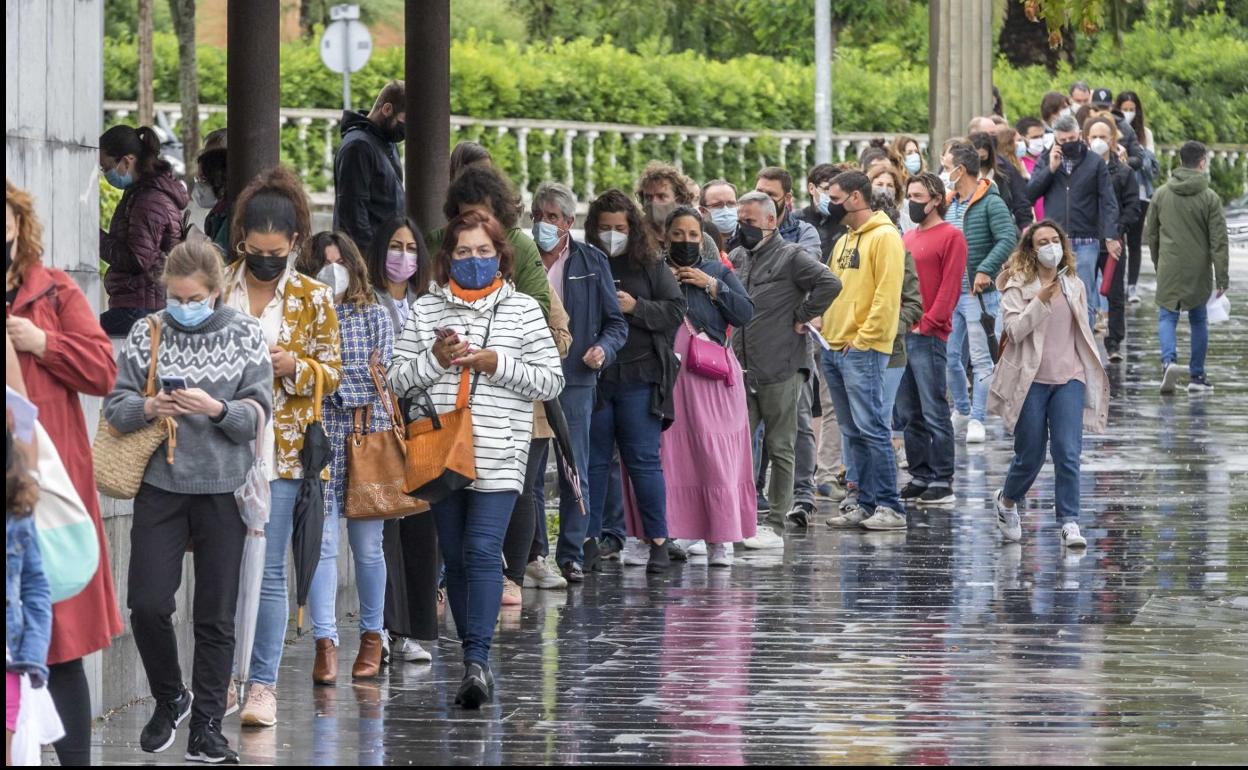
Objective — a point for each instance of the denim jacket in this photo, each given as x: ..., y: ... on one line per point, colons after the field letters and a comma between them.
x: 27, y: 601
x: 733, y: 306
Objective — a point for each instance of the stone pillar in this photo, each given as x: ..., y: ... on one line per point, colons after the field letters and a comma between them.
x: 960, y: 67
x: 428, y: 81
x: 253, y: 90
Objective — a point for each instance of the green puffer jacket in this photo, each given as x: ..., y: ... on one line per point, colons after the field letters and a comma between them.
x: 990, y: 232
x: 1186, y: 235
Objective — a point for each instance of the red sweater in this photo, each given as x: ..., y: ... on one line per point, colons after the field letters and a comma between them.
x: 940, y: 259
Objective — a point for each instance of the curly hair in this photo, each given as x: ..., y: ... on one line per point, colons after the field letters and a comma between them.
x: 481, y: 184
x: 359, y: 289
x: 466, y: 222
x: 657, y: 172
x: 28, y: 245
x: 1023, y: 261
x: 20, y: 489
x: 641, y: 249
x: 274, y: 202
x: 899, y: 182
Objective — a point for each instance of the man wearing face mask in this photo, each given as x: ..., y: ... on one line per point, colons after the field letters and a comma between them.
x: 368, y: 177
x: 718, y: 206
x: 777, y: 184
x: 789, y: 289
x: 1078, y: 195
x: 662, y: 189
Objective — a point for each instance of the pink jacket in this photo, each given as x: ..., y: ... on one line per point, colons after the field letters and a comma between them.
x: 1024, y: 319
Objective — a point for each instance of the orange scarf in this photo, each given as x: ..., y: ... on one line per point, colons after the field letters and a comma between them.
x: 472, y: 295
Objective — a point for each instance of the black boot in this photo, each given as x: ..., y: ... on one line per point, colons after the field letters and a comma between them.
x: 477, y: 687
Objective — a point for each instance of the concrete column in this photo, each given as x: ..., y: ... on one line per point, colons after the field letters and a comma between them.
x: 960, y: 67
x: 428, y: 80
x: 253, y: 93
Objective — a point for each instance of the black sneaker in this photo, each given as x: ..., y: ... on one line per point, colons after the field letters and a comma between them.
x: 609, y: 547
x: 592, y: 556
x: 207, y: 744
x: 1115, y: 355
x: 477, y: 687
x: 572, y: 572
x: 1199, y: 385
x: 937, y: 496
x: 801, y: 515
x: 675, y: 552
x: 763, y: 505
x: 159, y: 732
x: 659, y: 559
x: 912, y: 491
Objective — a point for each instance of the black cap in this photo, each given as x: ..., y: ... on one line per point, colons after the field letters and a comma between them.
x: 1103, y: 96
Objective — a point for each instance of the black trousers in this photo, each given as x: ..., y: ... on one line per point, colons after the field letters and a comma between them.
x: 67, y: 684
x: 518, y: 542
x: 164, y: 522
x: 1135, y: 252
x: 410, y: 546
x: 1117, y: 330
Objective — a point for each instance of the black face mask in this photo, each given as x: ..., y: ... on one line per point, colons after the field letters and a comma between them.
x: 918, y: 212
x: 684, y: 254
x: 395, y: 132
x: 265, y: 269
x: 836, y: 212
x: 750, y: 235
x: 1074, y: 151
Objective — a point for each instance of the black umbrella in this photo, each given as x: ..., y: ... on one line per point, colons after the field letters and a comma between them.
x: 563, y: 450
x: 309, y: 512
x: 989, y: 322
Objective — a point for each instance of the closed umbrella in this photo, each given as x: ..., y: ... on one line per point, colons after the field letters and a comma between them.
x: 253, y: 506
x: 989, y: 322
x: 563, y: 450
x: 309, y: 511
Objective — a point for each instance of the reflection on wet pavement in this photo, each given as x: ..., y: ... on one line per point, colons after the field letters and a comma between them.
x: 933, y: 646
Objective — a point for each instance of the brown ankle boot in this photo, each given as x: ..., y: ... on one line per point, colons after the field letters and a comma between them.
x: 326, y: 669
x: 368, y: 662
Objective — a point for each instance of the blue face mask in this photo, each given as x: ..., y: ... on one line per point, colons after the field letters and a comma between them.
x: 474, y: 272
x: 546, y: 235
x: 821, y: 203
x: 117, y: 180
x: 725, y: 220
x: 189, y: 314
x: 913, y: 163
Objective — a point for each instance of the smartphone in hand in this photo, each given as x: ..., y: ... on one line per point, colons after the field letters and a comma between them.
x: 170, y: 384
x: 445, y: 332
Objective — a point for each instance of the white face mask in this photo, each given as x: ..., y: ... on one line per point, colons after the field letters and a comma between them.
x: 204, y: 197
x: 1068, y: 111
x: 1048, y: 141
x: 335, y: 276
x: 1050, y: 255
x: 1099, y: 146
x: 1128, y: 116
x: 1036, y: 147
x: 615, y: 242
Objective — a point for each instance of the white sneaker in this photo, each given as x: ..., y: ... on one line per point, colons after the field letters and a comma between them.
x: 409, y: 650
x: 975, y: 432
x: 850, y: 519
x: 692, y: 547
x: 1071, y: 537
x: 539, y: 574
x: 1170, y: 379
x: 884, y: 518
x: 1008, y: 520
x: 636, y: 553
x: 764, y: 539
x: 959, y: 421
x: 1132, y: 297
x: 720, y: 555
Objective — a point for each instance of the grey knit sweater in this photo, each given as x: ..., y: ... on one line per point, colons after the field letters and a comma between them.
x: 227, y: 358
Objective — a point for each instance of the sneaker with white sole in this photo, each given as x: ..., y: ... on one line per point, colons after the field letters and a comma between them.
x: 849, y: 502
x: 231, y: 698
x: 1170, y: 378
x: 539, y: 574
x: 959, y: 421
x: 975, y: 432
x: 636, y: 553
x: 1008, y: 521
x: 765, y: 538
x: 1200, y: 385
x: 720, y: 555
x: 884, y: 518
x: 937, y: 495
x: 1132, y: 296
x: 1072, y: 537
x: 406, y: 649
x: 692, y: 547
x: 261, y: 708
x: 850, y: 519
x: 162, y: 729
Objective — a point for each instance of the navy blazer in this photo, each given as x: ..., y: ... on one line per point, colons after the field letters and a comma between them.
x: 733, y: 307
x: 594, y: 315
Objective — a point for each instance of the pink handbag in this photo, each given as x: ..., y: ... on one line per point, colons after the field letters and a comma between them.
x: 706, y: 358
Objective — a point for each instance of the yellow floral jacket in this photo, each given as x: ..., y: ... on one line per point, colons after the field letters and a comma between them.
x: 309, y: 330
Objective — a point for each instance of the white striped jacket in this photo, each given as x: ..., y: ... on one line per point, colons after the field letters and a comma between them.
x: 529, y: 370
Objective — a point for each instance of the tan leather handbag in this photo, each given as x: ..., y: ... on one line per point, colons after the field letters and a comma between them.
x: 376, y: 464
x: 441, y: 458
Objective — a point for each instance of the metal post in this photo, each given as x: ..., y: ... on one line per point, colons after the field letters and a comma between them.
x: 823, y: 81
x: 346, y: 71
x: 428, y: 80
x: 253, y: 93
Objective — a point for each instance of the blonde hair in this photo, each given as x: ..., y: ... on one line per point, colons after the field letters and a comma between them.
x: 195, y: 259
x: 28, y: 244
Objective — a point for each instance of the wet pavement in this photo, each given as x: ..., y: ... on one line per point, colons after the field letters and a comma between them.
x: 937, y: 645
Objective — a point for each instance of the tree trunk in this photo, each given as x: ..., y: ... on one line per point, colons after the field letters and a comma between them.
x: 1026, y: 42
x: 146, y: 98
x: 183, y: 12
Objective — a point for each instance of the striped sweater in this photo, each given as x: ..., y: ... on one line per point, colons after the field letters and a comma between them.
x: 528, y: 370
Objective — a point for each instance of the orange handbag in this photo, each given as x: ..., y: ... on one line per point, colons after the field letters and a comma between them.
x: 441, y: 459
x: 376, y: 464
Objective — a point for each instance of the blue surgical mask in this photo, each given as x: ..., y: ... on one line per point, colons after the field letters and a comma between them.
x: 821, y: 203
x: 546, y: 235
x: 474, y: 272
x: 117, y: 180
x: 725, y: 219
x: 191, y: 314
x: 914, y: 162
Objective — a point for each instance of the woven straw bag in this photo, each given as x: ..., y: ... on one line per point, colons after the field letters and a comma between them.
x: 121, y: 459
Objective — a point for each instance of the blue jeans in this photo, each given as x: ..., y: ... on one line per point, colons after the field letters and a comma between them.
x: 856, y: 385
x: 471, y: 527
x: 1086, y: 257
x: 892, y: 382
x: 370, y: 576
x: 1167, y: 331
x: 623, y: 418
x: 1051, y: 414
x: 967, y: 328
x: 925, y: 413
x: 613, y: 505
x: 274, y: 614
x: 578, y: 408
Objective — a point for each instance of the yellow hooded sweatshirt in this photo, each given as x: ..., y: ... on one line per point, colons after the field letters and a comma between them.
x: 870, y: 263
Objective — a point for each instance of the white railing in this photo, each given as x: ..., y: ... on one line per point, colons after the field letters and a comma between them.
x: 588, y: 157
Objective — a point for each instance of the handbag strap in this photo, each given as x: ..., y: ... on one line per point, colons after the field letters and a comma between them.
x: 389, y: 401
x: 153, y: 325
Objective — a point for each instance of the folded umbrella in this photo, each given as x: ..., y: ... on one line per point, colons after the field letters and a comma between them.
x: 309, y: 511
x: 253, y: 506
x: 563, y: 450
x: 1107, y: 275
x: 989, y: 322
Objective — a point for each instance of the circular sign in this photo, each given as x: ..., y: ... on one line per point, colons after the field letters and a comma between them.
x: 346, y: 46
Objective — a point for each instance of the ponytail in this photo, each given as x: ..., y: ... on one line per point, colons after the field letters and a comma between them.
x: 143, y: 143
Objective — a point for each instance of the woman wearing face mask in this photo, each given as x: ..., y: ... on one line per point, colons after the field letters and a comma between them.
x: 146, y: 224
x: 1049, y: 385
x: 1032, y: 133
x: 502, y: 351
x: 908, y: 148
x: 893, y: 183
x: 270, y: 230
x: 1132, y: 109
x: 1009, y: 181
x: 634, y: 392
x: 220, y: 354
x: 210, y: 189
x: 1102, y: 137
x: 706, y: 453
x: 398, y: 268
x: 366, y: 337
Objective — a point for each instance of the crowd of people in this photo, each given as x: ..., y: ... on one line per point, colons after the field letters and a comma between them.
x: 705, y: 363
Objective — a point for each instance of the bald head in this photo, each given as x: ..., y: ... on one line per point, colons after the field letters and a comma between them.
x: 981, y: 125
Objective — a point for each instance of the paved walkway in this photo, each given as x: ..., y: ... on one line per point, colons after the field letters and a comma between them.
x: 933, y: 646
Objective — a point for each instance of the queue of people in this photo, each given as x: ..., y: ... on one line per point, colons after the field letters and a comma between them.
x: 694, y: 346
